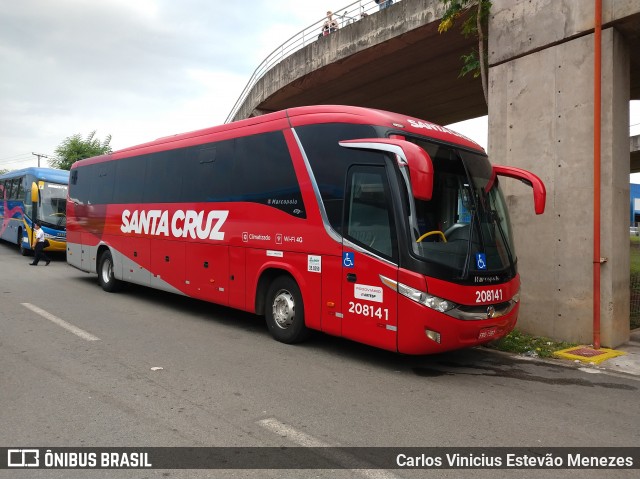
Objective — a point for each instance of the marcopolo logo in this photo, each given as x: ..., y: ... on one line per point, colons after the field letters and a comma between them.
x: 180, y: 224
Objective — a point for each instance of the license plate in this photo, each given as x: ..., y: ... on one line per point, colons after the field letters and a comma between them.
x: 487, y: 333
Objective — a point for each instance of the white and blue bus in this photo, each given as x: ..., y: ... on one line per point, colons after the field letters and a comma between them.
x: 29, y: 195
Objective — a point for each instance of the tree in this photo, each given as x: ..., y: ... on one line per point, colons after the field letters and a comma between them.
x: 74, y: 148
x: 3, y: 171
x: 474, y: 62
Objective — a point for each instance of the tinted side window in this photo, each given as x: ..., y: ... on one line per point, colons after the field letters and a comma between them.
x: 19, y: 193
x: 369, y: 216
x: 265, y: 173
x: 10, y: 186
x: 329, y: 161
x: 164, y: 177
x: 254, y: 169
x: 209, y: 169
x: 80, y: 185
x: 102, y: 183
x: 6, y: 188
x: 130, y: 174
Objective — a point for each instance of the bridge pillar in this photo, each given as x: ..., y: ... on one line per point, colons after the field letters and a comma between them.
x: 541, y: 111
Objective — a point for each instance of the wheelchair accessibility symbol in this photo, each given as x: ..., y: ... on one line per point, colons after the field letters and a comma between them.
x: 481, y: 260
x: 348, y: 260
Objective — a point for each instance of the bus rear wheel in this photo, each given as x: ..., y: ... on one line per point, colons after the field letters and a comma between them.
x: 285, y: 311
x: 106, y: 277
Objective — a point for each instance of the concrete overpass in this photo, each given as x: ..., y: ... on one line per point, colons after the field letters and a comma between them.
x: 369, y: 62
x: 396, y: 60
x: 541, y: 110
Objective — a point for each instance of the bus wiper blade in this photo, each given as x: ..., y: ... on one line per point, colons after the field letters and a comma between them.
x: 495, y: 218
x: 467, y: 261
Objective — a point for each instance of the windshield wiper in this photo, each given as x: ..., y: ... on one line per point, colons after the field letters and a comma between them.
x: 494, y: 218
x: 467, y: 261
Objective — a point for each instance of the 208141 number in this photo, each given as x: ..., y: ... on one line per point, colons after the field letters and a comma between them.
x: 489, y: 296
x: 368, y: 310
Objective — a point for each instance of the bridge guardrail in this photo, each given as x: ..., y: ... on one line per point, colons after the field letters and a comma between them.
x: 350, y: 14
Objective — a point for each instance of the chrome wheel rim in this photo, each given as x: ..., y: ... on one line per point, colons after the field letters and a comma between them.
x: 284, y: 309
x: 107, y: 270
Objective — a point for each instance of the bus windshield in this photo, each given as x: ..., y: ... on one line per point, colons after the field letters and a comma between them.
x: 465, y: 227
x: 53, y: 203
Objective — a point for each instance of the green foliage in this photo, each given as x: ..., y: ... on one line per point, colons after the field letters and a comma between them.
x: 74, y: 148
x: 518, y: 342
x: 474, y: 24
x: 455, y: 8
x: 471, y: 64
x: 2, y: 172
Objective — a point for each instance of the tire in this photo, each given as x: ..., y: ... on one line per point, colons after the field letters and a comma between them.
x: 285, y: 311
x: 106, y: 277
x: 23, y: 251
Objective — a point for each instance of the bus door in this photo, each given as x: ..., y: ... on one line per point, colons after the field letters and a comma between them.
x: 369, y: 251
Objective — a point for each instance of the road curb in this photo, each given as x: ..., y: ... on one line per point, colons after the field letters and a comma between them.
x: 573, y: 364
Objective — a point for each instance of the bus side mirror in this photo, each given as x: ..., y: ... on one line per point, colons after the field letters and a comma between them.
x: 528, y: 178
x: 408, y: 155
x: 35, y: 193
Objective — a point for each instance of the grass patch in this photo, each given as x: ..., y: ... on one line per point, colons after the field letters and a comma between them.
x: 534, y: 346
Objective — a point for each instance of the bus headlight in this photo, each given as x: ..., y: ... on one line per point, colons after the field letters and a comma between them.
x: 428, y: 300
x: 439, y: 304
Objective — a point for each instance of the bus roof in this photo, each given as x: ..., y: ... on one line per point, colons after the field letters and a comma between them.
x: 47, y: 174
x: 299, y: 116
x: 353, y: 114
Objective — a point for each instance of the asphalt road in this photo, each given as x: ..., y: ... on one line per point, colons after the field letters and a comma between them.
x: 224, y: 382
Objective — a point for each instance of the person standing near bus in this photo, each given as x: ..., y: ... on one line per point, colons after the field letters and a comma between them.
x: 39, y: 246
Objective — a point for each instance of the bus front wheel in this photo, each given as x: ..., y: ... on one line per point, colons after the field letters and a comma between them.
x: 23, y: 251
x: 285, y: 311
x: 105, y: 273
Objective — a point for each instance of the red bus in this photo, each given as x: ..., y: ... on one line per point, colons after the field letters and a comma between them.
x: 369, y: 225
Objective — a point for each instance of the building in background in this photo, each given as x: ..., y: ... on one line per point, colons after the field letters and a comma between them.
x: 634, y: 189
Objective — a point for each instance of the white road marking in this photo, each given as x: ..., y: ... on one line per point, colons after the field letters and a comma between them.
x: 305, y: 440
x: 290, y: 433
x: 62, y: 323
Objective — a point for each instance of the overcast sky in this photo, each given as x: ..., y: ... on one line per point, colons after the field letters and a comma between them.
x: 135, y: 69
x: 138, y: 69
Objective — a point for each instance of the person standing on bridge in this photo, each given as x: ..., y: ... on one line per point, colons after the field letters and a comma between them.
x: 330, y: 25
x: 384, y: 3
